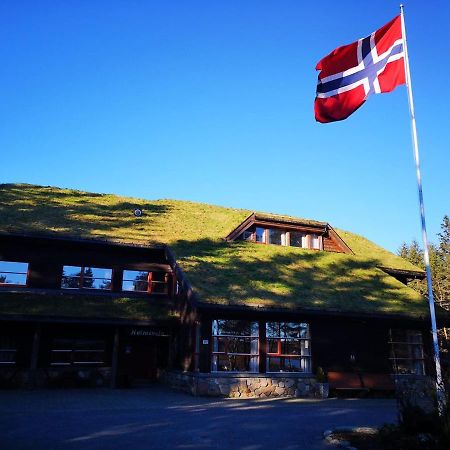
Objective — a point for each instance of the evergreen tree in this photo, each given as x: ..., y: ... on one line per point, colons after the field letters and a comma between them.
x: 439, y: 264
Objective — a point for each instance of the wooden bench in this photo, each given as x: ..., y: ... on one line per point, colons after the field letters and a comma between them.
x: 378, y: 382
x: 347, y: 381
x: 367, y: 382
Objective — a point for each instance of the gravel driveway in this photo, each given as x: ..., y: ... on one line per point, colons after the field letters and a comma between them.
x: 157, y: 418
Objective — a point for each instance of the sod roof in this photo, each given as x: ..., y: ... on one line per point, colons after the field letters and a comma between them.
x: 72, y: 306
x: 225, y: 273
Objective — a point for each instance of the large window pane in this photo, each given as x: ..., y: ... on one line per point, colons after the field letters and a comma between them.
x: 288, y: 348
x: 259, y: 234
x: 78, y: 352
x: 8, y: 350
x: 235, y: 346
x: 13, y: 273
x: 315, y: 241
x: 276, y: 236
x: 143, y: 281
x: 135, y: 280
x: 235, y: 328
x: 298, y: 239
x: 406, y: 354
x: 79, y: 277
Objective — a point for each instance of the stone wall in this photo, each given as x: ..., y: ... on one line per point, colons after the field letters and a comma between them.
x: 243, y: 385
x: 55, y: 377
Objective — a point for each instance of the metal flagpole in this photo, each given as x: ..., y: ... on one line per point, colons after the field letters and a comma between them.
x: 439, y: 383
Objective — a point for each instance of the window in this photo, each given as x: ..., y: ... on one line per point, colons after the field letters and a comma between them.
x: 288, y: 347
x: 298, y: 239
x: 142, y: 281
x: 235, y: 346
x: 77, y: 352
x: 315, y: 241
x: 407, y: 355
x: 8, y: 350
x: 277, y: 237
x: 247, y: 235
x: 75, y: 277
x: 260, y: 235
x: 14, y: 273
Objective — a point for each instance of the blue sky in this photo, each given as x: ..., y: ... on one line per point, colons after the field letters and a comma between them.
x: 213, y: 102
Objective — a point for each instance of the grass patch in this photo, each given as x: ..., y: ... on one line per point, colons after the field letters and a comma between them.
x: 84, y: 306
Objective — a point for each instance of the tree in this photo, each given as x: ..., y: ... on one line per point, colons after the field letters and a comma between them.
x: 440, y: 277
x: 439, y: 265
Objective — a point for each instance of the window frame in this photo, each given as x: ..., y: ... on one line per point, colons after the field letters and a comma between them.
x: 72, y: 351
x: 12, y: 348
x: 149, y: 281
x: 411, y: 361
x: 5, y: 284
x: 254, y: 358
x: 251, y: 234
x: 304, y: 360
x: 82, y: 277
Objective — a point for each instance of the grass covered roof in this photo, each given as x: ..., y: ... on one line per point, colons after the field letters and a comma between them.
x: 238, y: 273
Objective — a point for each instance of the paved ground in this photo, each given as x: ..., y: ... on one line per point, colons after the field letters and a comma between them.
x: 156, y: 418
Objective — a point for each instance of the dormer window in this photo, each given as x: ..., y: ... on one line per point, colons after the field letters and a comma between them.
x: 279, y: 236
x: 298, y: 239
x: 289, y: 231
x: 276, y: 236
x: 260, y: 235
x: 315, y: 241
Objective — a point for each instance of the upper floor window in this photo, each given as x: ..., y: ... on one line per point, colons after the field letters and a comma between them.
x: 297, y: 239
x: 143, y: 281
x: 76, y: 277
x: 315, y: 241
x: 14, y: 273
x: 260, y: 235
x: 278, y: 236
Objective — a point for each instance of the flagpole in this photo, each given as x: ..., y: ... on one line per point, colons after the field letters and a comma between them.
x: 440, y: 392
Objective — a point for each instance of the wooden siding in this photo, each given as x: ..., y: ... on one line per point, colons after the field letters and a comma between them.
x: 329, y: 245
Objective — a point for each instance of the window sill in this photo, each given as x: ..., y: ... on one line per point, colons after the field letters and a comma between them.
x: 255, y: 374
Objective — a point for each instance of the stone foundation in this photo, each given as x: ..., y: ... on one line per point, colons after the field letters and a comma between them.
x: 243, y: 385
x: 55, y: 377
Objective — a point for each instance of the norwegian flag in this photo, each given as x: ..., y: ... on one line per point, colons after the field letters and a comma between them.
x: 349, y: 74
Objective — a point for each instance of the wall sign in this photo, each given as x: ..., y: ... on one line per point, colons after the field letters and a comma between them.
x: 147, y: 333
x: 205, y: 341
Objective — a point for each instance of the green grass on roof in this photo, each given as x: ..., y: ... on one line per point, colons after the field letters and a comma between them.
x: 220, y: 272
x: 83, y: 306
x: 39, y: 209
x: 363, y: 247
x: 285, y: 277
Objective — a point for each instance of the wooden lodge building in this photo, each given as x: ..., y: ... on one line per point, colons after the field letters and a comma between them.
x: 104, y: 290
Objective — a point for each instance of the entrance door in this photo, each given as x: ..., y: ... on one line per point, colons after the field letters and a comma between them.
x: 140, y: 359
